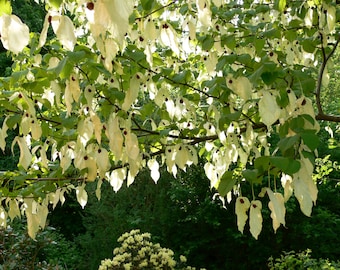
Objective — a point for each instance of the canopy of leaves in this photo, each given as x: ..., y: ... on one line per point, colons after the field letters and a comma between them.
x: 122, y: 86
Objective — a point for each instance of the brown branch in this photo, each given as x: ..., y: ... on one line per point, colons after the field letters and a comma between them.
x: 321, y: 115
x: 327, y: 117
x: 152, y: 132
x: 162, y: 151
x: 41, y: 118
x: 209, y: 138
x: 55, y: 179
x: 193, y: 141
x: 171, y: 80
x: 178, y: 83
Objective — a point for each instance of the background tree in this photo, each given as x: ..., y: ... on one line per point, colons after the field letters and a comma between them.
x: 162, y: 84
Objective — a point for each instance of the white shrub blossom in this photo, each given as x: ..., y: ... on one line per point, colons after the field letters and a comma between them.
x: 137, y: 251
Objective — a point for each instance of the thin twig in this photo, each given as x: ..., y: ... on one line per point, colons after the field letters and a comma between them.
x: 178, y: 83
x: 56, y: 179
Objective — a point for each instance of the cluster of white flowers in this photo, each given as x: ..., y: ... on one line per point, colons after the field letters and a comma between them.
x: 138, y: 252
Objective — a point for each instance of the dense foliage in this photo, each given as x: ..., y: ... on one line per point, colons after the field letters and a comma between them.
x: 302, y: 260
x: 122, y: 86
x: 50, y: 250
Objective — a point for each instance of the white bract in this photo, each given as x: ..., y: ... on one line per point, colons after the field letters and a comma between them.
x: 14, y: 33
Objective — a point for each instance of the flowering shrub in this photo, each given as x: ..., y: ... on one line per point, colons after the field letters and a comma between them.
x: 138, y: 252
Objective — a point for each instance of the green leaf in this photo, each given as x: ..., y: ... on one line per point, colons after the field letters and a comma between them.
x: 262, y: 164
x: 252, y: 176
x: 157, y: 77
x: 310, y: 139
x: 294, y: 167
x: 58, y: 69
x: 259, y: 44
x: 244, y: 59
x: 284, y: 129
x: 5, y: 7
x: 288, y: 143
x: 148, y: 109
x: 165, y: 132
x: 8, y: 105
x: 309, y: 46
x: 229, y: 41
x: 310, y: 156
x: 269, y: 77
x: 296, y: 124
x: 281, y: 4
x: 118, y: 95
x: 225, y: 60
x: 95, y: 67
x: 13, y: 120
x: 226, y: 183
x: 182, y: 77
x: 207, y: 43
x: 227, y: 116
x: 70, y: 122
x: 226, y: 119
x: 262, y: 8
x: 282, y: 100
x: 38, y: 85
x: 287, y: 165
x: 147, y: 4
x: 272, y: 33
x: 308, y: 118
x: 290, y: 35
x: 66, y: 71
x: 46, y: 129
x: 77, y: 56
x: 18, y: 75
x: 55, y: 3
x: 256, y: 75
x: 167, y: 71
x: 184, y: 9
x: 136, y: 55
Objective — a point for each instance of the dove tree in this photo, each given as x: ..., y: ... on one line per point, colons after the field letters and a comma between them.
x: 123, y: 86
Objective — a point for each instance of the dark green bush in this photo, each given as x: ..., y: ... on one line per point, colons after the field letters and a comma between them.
x: 302, y: 260
x: 48, y: 251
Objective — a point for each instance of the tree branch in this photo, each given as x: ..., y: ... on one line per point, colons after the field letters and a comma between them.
x: 56, y: 179
x: 327, y: 117
x: 321, y: 115
x: 41, y: 118
x: 173, y: 81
